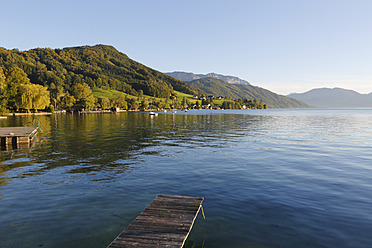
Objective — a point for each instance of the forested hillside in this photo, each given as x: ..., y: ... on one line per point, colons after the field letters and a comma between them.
x: 216, y: 87
x: 70, y: 71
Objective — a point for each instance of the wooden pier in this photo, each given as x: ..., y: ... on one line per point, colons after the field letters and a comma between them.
x: 166, y: 222
x: 17, y: 137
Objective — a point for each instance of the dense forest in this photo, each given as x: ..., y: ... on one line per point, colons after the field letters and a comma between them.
x: 70, y: 74
x: 92, y: 77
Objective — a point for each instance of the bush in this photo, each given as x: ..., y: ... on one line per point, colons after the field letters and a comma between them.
x: 4, y: 111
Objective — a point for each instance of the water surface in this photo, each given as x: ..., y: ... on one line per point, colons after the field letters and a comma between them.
x: 270, y: 178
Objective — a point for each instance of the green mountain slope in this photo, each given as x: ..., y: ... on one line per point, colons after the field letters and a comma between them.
x: 99, y: 66
x: 216, y: 87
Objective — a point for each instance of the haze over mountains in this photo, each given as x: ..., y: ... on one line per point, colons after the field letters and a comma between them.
x: 334, y: 98
x: 237, y: 89
x: 234, y: 87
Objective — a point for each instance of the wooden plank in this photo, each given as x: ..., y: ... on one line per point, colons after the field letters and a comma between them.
x: 166, y: 222
x: 17, y: 131
x: 17, y: 137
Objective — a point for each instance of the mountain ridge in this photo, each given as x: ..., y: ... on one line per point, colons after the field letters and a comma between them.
x: 218, y: 87
x: 189, y: 76
x: 334, y: 98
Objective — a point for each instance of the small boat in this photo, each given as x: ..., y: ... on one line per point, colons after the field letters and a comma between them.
x: 153, y: 113
x: 3, y: 117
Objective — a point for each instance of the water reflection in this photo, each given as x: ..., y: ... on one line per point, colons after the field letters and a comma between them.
x: 84, y: 144
x: 269, y: 178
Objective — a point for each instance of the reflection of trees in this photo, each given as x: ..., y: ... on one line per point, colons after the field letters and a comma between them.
x: 91, y: 143
x: 3, y: 180
x: 18, y: 158
x: 114, y: 143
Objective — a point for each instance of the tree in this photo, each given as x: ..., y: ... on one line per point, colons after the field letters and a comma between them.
x: 2, y: 78
x: 131, y: 103
x: 197, y: 105
x: 144, y: 104
x: 104, y: 102
x: 185, y: 103
x: 14, y: 77
x: 67, y: 101
x: 123, y: 105
x: 120, y: 101
x: 83, y: 95
x: 56, y: 92
x: 25, y: 97
x: 135, y: 106
x: 32, y: 96
x: 260, y: 105
x: 225, y: 105
x: 166, y: 106
x: 42, y: 98
x: 188, y: 103
x: 3, y: 98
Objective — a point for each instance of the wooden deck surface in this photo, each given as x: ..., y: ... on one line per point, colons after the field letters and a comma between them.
x: 166, y: 222
x: 17, y: 137
x: 17, y: 131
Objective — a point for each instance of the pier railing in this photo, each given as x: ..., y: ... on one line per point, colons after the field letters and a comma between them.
x: 37, y: 123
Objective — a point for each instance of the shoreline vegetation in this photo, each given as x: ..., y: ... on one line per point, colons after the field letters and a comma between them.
x: 101, y: 112
x: 99, y: 77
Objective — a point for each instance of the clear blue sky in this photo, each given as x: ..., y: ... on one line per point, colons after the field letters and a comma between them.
x: 281, y: 45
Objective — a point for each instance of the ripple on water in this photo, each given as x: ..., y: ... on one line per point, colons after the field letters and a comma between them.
x: 273, y: 178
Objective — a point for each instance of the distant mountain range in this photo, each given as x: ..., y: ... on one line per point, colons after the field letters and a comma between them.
x: 334, y: 98
x: 242, y: 90
x: 189, y: 76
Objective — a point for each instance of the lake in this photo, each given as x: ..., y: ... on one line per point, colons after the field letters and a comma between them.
x: 270, y: 178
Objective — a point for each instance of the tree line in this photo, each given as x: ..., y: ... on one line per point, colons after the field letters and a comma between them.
x: 17, y: 92
x: 49, y: 79
x: 62, y: 71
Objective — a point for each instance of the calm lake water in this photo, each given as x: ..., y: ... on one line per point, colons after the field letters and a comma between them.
x: 270, y: 178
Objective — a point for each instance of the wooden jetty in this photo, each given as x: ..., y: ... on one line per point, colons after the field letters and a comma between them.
x: 166, y: 222
x: 17, y: 137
